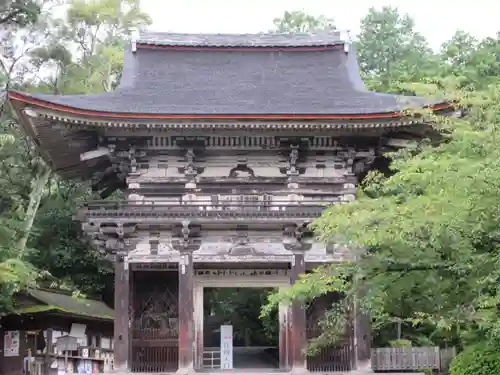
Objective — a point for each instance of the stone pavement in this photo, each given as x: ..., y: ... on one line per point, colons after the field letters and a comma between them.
x: 276, y: 372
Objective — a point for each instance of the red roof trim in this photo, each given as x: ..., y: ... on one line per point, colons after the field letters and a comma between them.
x: 241, y: 49
x: 110, y: 115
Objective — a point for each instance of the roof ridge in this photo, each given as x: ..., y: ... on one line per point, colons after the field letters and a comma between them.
x: 289, y: 34
x: 263, y: 39
x: 62, y: 292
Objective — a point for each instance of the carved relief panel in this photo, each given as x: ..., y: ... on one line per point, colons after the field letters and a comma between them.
x: 155, y: 306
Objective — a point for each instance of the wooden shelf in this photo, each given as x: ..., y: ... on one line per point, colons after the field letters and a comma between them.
x: 61, y: 356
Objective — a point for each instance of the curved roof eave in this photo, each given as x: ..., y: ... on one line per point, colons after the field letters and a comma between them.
x: 26, y: 98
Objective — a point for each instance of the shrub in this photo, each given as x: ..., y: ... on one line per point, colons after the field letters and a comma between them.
x: 480, y: 359
x: 400, y: 343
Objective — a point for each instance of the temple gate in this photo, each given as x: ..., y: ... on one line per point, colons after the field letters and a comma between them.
x: 226, y: 148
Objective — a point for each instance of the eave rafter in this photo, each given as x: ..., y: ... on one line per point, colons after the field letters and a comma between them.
x: 354, y: 125
x: 81, y: 116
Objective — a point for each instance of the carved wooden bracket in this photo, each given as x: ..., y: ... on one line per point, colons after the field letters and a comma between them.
x: 293, y: 158
x: 356, y: 162
x: 114, y: 170
x: 295, y: 235
x: 132, y: 159
x: 190, y: 169
x: 363, y: 163
x: 112, y: 239
x: 185, y: 237
x: 112, y: 178
x: 241, y: 242
x: 154, y: 241
x: 241, y: 170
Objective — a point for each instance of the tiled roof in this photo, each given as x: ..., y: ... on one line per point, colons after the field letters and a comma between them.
x: 239, y: 82
x: 53, y: 301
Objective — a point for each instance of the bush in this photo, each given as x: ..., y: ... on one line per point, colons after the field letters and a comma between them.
x: 400, y: 343
x: 480, y: 359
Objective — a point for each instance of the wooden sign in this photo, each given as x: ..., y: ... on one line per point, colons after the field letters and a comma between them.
x: 11, y: 340
x: 226, y: 347
x: 240, y: 272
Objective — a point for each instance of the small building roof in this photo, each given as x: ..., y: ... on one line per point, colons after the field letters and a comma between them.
x: 58, y: 301
x: 233, y: 76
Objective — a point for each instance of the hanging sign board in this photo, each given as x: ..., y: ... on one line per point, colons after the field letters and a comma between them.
x: 11, y: 341
x: 241, y: 272
x: 226, y: 347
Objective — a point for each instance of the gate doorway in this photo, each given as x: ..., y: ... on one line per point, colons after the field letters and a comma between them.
x: 255, y: 340
x: 225, y: 282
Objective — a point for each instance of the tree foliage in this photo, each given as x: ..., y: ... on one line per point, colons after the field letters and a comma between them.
x: 479, y: 359
x: 19, y: 12
x: 79, y: 53
x: 299, y: 21
x: 391, y: 51
x: 426, y: 237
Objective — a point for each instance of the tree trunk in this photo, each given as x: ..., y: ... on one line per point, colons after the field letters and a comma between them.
x: 37, y: 187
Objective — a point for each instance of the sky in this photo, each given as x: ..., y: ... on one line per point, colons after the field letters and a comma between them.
x: 437, y: 20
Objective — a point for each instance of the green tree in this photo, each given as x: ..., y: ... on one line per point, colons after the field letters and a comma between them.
x: 20, y: 167
x: 19, y: 12
x: 86, y: 52
x: 302, y: 22
x: 473, y: 63
x: 391, y: 51
x: 427, y: 237
x: 86, y: 48
x: 82, y: 53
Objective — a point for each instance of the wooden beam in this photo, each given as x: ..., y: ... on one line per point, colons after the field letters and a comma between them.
x: 94, y: 154
x: 403, y: 143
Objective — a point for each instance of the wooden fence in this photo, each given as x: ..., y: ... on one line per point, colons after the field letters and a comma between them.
x: 410, y: 359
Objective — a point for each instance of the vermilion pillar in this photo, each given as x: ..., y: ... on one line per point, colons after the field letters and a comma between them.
x: 186, y: 310
x: 298, y: 320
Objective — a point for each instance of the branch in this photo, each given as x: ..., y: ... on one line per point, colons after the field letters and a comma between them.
x: 10, y: 16
x: 409, y: 267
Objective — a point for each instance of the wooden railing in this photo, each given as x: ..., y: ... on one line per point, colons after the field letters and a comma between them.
x: 211, y: 359
x: 336, y: 358
x: 151, y: 208
x: 411, y: 359
x: 154, y: 350
x: 331, y: 359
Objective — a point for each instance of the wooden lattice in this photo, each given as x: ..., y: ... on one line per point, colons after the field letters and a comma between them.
x: 155, y: 322
x: 156, y: 306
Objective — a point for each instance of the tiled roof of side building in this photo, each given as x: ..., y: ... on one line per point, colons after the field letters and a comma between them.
x: 57, y: 301
x: 221, y: 81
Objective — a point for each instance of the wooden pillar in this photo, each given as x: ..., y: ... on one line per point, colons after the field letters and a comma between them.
x: 132, y: 314
x: 48, y: 351
x: 283, y: 313
x: 186, y: 312
x: 121, y: 323
x: 298, y: 319
x: 198, y: 323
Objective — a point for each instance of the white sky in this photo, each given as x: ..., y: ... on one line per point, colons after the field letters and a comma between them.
x: 436, y: 19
